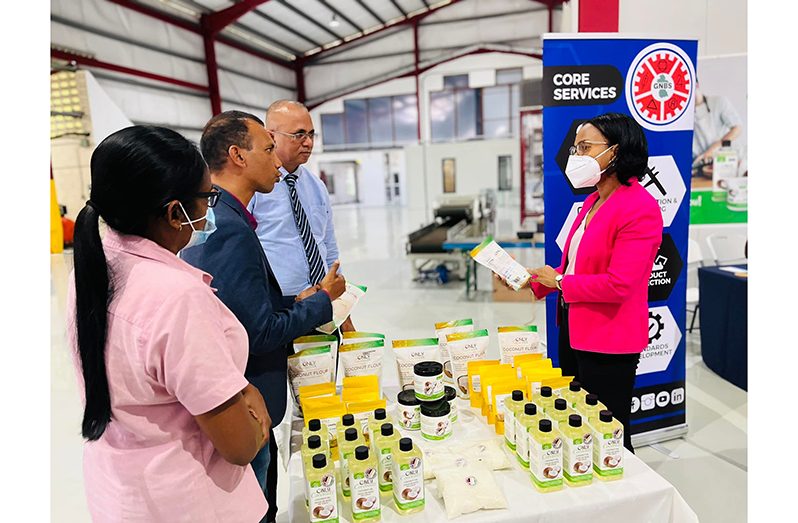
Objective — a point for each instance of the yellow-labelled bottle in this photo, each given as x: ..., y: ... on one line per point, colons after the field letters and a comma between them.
x: 559, y: 414
x: 523, y: 421
x: 320, y: 485
x: 351, y: 440
x: 312, y: 447
x: 590, y: 407
x: 408, y: 478
x: 384, y: 442
x: 577, y: 452
x: 544, y: 400
x: 607, y: 447
x: 348, y: 421
x: 545, y: 456
x: 512, y: 407
x: 365, y: 486
x: 574, y: 394
x: 377, y: 418
x: 317, y: 428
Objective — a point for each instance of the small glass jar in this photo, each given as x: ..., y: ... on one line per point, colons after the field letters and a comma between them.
x: 435, y: 422
x: 428, y: 380
x: 451, y: 395
x: 409, y: 415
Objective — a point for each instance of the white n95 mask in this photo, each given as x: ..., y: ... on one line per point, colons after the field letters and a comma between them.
x: 584, y: 171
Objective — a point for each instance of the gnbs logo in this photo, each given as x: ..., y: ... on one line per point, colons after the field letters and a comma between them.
x: 659, y: 88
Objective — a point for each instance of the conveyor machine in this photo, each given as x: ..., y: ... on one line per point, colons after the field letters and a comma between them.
x: 456, y: 217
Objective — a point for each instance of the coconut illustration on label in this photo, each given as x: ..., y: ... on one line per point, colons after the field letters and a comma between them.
x: 611, y: 461
x: 323, y: 512
x: 366, y: 503
x: 581, y: 467
x: 411, y: 493
x: 551, y: 472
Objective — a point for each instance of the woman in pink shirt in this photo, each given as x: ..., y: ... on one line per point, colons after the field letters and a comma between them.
x: 606, y: 263
x: 170, y: 421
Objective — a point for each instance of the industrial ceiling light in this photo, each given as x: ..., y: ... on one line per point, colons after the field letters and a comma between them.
x: 334, y: 22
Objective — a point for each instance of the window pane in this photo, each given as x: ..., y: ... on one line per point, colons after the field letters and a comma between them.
x: 496, y: 111
x: 466, y: 113
x: 380, y: 127
x: 460, y: 80
x: 332, y: 129
x: 505, y: 173
x: 355, y: 122
x: 405, y: 119
x: 441, y: 114
x: 509, y: 76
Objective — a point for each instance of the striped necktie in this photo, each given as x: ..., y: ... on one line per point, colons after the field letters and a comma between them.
x: 315, y: 263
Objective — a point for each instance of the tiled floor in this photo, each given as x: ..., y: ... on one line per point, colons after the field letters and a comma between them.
x: 708, y: 466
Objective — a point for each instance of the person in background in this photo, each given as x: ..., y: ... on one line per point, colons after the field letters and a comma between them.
x: 171, y: 422
x: 606, y: 263
x: 716, y: 120
x: 240, y: 155
x: 295, y: 223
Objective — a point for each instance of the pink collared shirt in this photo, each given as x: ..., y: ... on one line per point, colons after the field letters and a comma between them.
x: 174, y: 351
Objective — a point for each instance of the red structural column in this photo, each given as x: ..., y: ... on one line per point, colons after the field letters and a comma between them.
x: 299, y: 72
x: 598, y: 16
x: 417, y: 74
x: 211, y: 66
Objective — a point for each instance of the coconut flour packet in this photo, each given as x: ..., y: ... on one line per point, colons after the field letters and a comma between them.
x: 442, y: 330
x: 464, y: 347
x: 360, y: 337
x: 491, y: 255
x: 514, y: 341
x: 309, y: 367
x: 342, y: 307
x: 361, y: 359
x: 410, y: 352
x: 320, y: 340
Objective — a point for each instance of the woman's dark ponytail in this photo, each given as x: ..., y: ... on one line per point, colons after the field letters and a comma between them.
x: 134, y: 173
x: 92, y: 294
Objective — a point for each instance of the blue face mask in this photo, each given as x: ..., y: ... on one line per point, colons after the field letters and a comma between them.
x: 200, y: 237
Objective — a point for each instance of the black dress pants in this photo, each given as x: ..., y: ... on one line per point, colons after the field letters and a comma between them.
x: 610, y: 376
x: 271, y: 479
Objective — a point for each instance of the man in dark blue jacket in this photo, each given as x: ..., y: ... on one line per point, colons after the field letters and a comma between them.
x: 240, y: 155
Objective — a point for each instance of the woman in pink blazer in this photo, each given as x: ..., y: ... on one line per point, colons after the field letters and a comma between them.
x: 606, y: 264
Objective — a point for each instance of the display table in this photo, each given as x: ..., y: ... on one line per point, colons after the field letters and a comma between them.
x: 642, y: 495
x: 723, y: 314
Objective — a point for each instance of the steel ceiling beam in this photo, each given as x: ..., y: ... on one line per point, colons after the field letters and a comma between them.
x: 426, y: 50
x: 311, y: 20
x: 399, y: 8
x: 405, y: 22
x: 426, y: 4
x: 340, y: 15
x: 287, y: 29
x: 159, y: 15
x: 276, y: 43
x: 215, y: 22
x: 194, y: 27
x: 92, y: 62
x: 313, y: 59
x: 371, y: 12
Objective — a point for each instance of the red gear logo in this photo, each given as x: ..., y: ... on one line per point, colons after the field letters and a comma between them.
x: 662, y: 87
x: 659, y: 86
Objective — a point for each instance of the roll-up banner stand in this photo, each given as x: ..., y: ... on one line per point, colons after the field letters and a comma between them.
x: 652, y: 80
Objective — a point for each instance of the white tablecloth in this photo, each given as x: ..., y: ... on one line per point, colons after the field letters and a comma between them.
x: 641, y: 496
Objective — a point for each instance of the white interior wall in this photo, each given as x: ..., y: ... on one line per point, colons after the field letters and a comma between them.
x: 721, y: 26
x: 371, y: 171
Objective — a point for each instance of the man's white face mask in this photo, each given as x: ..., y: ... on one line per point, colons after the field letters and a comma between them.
x: 584, y: 171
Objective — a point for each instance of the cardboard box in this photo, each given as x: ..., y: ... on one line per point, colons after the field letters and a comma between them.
x: 502, y: 293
